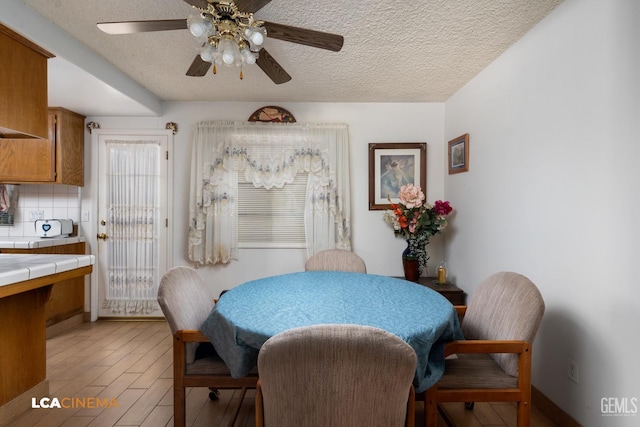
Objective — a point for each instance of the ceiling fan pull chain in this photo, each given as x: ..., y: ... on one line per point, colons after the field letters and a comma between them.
x: 215, y: 70
x: 241, y: 74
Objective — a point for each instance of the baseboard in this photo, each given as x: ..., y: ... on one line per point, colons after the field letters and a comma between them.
x: 551, y: 410
x: 131, y: 318
x: 22, y: 403
x: 64, y: 325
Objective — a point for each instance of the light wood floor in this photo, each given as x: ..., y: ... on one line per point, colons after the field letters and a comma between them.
x: 131, y: 362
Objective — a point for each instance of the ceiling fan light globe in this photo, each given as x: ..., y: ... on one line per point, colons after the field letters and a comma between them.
x: 257, y: 38
x: 196, y: 29
x: 248, y: 57
x: 198, y: 26
x: 227, y: 57
x: 230, y: 50
x: 207, y: 54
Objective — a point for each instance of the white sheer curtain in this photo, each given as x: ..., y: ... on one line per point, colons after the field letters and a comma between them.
x: 268, y: 155
x: 132, y: 226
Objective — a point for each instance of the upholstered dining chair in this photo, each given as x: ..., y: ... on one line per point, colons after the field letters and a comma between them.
x: 186, y: 303
x: 335, y: 260
x: 493, y: 363
x: 332, y: 375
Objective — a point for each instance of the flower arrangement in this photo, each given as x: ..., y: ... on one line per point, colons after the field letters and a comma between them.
x: 416, y: 220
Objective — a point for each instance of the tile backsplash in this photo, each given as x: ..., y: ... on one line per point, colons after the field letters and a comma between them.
x: 43, y: 201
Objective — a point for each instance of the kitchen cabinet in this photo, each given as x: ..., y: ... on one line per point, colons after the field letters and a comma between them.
x: 24, y: 291
x: 23, y: 87
x: 67, y: 296
x: 56, y: 160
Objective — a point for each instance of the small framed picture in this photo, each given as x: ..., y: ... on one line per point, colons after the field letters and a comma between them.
x: 459, y: 154
x: 392, y: 165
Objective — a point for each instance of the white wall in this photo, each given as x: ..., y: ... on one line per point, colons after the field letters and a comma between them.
x: 41, y: 201
x: 552, y: 193
x: 372, y: 238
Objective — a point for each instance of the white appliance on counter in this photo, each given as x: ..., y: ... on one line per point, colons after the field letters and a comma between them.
x: 54, y: 227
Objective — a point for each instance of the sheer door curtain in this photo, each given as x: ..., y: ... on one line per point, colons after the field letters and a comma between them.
x: 268, y: 155
x: 133, y: 210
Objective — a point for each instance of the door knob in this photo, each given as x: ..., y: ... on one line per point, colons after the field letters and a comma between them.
x: 102, y: 236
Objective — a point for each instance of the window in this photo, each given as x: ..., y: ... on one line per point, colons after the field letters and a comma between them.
x: 226, y: 214
x: 272, y: 218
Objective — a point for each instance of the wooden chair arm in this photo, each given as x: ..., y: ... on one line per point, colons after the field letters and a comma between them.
x: 190, y: 336
x: 461, y: 310
x: 486, y: 346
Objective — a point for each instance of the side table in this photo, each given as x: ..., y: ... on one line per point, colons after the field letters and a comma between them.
x: 450, y: 291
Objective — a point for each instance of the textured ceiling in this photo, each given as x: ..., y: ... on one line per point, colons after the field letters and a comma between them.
x: 394, y: 51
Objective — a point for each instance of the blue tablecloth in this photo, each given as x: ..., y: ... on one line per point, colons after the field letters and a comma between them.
x: 246, y: 316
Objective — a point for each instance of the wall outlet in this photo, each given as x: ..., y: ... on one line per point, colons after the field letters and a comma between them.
x: 573, y: 371
x: 36, y: 214
x: 85, y: 216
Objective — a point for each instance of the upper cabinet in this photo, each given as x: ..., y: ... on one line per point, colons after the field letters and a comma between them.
x: 37, y: 144
x: 23, y: 87
x: 67, y: 130
x: 56, y: 160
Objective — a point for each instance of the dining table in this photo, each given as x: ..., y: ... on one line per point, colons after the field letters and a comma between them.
x: 249, y: 314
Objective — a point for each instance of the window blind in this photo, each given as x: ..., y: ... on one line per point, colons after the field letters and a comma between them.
x: 272, y: 218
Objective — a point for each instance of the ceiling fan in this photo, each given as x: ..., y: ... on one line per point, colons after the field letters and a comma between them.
x: 237, y: 24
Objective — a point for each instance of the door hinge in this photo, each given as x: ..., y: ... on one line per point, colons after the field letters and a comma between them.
x: 167, y: 155
x: 166, y: 222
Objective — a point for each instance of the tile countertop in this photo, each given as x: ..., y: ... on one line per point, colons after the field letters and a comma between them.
x: 16, y: 268
x: 37, y: 242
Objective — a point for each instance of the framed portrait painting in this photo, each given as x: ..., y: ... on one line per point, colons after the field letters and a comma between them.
x: 392, y: 165
x: 459, y: 154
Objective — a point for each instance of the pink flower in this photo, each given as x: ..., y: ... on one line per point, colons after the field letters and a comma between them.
x: 411, y: 196
x: 442, y: 208
x: 413, y: 224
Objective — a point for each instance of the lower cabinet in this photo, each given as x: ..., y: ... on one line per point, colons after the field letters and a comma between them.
x: 67, y: 297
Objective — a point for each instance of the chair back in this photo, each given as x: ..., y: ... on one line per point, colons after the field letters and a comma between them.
x: 506, y: 306
x: 185, y: 301
x: 336, y: 260
x: 335, y: 375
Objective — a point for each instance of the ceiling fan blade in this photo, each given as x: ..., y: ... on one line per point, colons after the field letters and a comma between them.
x: 129, y: 27
x: 251, y: 6
x: 304, y: 36
x: 198, y: 3
x: 198, y: 67
x: 271, y: 68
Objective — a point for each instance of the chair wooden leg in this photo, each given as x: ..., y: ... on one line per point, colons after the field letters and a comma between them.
x: 431, y: 407
x: 259, y: 407
x: 411, y: 408
x: 179, y: 412
x: 524, y: 413
x: 179, y: 391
